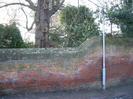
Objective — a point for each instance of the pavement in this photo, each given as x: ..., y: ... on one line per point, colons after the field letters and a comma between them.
x: 117, y: 92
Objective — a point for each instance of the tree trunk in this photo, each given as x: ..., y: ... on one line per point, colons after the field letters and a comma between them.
x: 42, y: 20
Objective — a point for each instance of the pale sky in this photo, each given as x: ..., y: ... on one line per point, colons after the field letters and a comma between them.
x: 6, y: 16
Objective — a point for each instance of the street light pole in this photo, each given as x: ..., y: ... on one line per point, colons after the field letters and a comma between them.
x: 104, y: 58
x: 78, y: 3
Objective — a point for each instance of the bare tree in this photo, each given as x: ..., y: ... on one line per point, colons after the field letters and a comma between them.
x: 43, y: 9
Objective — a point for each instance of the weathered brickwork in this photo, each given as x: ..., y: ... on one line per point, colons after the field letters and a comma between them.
x: 53, y: 69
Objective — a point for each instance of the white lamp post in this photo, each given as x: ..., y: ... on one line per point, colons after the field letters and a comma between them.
x: 78, y: 3
x: 104, y: 58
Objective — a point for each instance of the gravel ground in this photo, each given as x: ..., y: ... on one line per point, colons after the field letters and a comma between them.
x: 119, y: 92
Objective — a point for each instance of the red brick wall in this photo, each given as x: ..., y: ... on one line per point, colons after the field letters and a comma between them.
x: 62, y: 74
x: 85, y: 73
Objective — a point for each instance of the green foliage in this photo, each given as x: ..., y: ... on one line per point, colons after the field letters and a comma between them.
x: 10, y: 37
x: 79, y: 25
x: 56, y: 36
x: 122, y: 15
x: 28, y: 44
x: 119, y: 41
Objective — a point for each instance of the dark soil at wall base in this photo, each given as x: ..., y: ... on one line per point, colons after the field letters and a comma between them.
x: 118, y: 92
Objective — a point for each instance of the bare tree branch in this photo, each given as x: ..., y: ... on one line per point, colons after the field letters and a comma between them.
x: 56, y: 7
x: 31, y: 4
x: 95, y: 4
x: 22, y: 4
x: 100, y: 3
x: 27, y: 22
